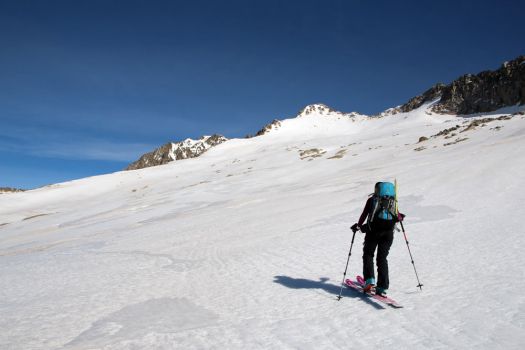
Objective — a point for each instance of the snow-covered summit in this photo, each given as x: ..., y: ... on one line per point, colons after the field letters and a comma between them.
x: 190, y: 148
x: 316, y: 108
x: 320, y: 109
x: 316, y: 115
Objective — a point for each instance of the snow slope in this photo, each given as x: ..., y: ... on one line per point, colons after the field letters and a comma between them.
x: 245, y: 246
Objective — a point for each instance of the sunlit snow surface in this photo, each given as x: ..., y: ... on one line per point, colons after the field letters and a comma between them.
x: 245, y: 246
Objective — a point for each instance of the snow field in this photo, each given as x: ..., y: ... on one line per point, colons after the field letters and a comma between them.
x: 245, y: 246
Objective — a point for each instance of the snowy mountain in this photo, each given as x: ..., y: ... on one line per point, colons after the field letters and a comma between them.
x: 316, y: 110
x: 194, y: 148
x: 176, y: 151
x: 245, y: 246
x: 484, y: 92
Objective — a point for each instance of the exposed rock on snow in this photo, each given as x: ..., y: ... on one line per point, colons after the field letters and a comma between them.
x: 176, y: 151
x: 389, y: 112
x: 311, y: 153
x: 340, y: 154
x: 457, y: 129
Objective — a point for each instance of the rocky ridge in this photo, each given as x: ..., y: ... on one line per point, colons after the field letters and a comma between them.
x: 10, y: 190
x: 274, y: 125
x: 430, y: 95
x: 176, y: 151
x: 480, y: 93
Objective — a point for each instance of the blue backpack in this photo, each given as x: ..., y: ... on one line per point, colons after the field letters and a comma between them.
x: 384, y: 202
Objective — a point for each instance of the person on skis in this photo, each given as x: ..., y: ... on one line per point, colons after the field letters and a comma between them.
x: 381, y: 214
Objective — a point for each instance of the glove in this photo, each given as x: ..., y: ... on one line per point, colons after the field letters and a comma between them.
x: 400, y: 217
x: 355, y: 227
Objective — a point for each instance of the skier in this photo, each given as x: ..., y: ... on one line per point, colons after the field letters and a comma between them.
x: 381, y: 211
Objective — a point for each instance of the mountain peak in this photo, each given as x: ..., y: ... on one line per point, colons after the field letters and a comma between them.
x: 320, y: 109
x: 316, y: 108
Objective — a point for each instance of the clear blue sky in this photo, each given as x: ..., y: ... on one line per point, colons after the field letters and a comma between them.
x: 88, y: 86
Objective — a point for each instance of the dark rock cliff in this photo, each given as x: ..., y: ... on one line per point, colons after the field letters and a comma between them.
x: 483, y: 92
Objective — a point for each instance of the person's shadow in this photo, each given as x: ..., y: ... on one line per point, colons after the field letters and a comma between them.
x: 301, y: 283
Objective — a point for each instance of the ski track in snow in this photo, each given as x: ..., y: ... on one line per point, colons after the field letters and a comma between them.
x: 245, y: 247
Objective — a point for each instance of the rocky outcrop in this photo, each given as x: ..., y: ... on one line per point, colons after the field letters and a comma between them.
x: 274, y: 125
x: 431, y: 94
x: 388, y: 112
x: 10, y: 190
x: 176, y: 151
x: 483, y: 92
x: 486, y: 91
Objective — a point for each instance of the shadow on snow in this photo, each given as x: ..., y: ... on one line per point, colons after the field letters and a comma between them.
x: 301, y: 283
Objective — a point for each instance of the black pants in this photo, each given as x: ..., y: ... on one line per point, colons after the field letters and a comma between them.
x: 382, y: 240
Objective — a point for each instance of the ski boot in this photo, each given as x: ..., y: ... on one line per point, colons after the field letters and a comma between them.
x: 381, y: 292
x: 370, y: 285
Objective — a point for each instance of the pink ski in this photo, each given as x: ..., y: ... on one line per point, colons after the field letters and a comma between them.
x: 359, y: 287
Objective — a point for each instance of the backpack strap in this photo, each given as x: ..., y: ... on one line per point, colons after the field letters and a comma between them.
x: 375, y: 206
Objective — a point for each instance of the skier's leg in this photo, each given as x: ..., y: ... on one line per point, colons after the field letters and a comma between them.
x: 383, y: 247
x: 369, y: 247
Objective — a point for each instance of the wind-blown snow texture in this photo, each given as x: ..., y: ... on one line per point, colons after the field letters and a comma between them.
x: 245, y: 246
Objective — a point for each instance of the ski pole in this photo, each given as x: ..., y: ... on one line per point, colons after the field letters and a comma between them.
x: 411, y: 258
x: 354, y: 229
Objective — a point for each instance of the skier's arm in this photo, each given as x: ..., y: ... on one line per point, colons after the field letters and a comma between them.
x: 366, y: 210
